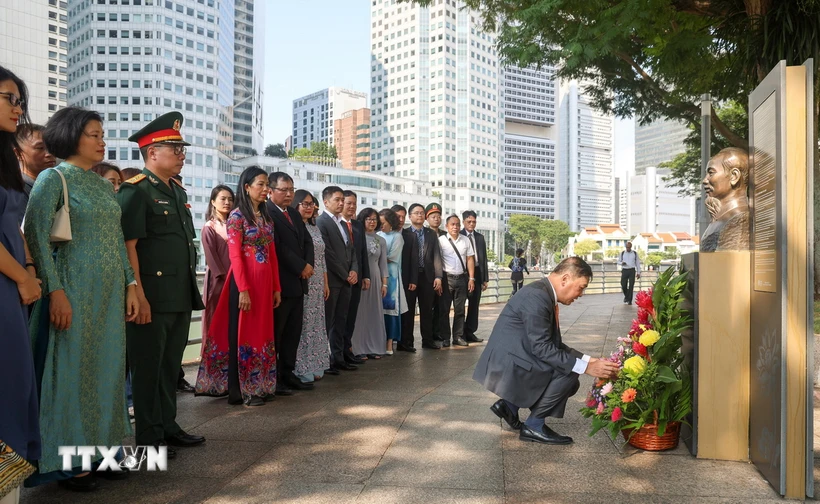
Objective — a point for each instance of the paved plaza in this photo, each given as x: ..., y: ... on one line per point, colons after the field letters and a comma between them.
x: 415, y: 428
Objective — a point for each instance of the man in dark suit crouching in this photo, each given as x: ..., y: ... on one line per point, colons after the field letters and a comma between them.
x: 526, y: 363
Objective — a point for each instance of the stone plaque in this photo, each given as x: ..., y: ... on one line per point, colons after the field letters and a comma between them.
x: 765, y: 197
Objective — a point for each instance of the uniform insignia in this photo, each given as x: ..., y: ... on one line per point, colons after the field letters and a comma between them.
x: 153, y: 180
x: 136, y: 179
x: 162, y: 202
x: 177, y: 125
x: 187, y: 205
x: 178, y: 183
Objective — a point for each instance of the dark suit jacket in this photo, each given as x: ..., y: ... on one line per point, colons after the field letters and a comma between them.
x: 340, y: 257
x: 294, y: 249
x: 433, y: 265
x: 482, y: 274
x: 525, y: 348
x: 360, y: 247
x: 409, y: 258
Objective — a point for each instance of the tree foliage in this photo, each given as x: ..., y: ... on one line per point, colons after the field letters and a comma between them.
x: 585, y: 247
x: 276, y: 150
x: 529, y: 229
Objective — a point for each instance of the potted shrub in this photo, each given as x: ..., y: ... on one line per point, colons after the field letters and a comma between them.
x: 653, y: 392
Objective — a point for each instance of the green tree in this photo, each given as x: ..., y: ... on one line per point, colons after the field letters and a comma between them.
x: 276, y: 150
x: 585, y: 247
x: 319, y: 149
x: 331, y: 152
x: 611, y: 253
x: 526, y: 229
x: 554, y: 235
x: 671, y: 253
x: 654, y: 259
x: 641, y: 255
x: 301, y: 153
x: 491, y: 255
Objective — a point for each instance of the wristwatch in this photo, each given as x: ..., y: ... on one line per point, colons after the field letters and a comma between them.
x: 472, y: 279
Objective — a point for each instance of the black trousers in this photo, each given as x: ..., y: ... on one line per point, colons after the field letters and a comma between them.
x: 336, y: 308
x: 352, y: 313
x: 517, y: 285
x: 471, y: 324
x: 287, y: 332
x: 628, y: 283
x: 553, y: 401
x: 438, y: 303
x: 455, y: 295
x: 427, y: 298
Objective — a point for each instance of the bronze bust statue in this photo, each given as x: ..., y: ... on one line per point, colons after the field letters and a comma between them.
x: 725, y: 184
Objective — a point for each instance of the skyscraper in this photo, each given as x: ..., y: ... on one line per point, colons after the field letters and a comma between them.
x: 435, y: 106
x: 529, y: 97
x: 656, y: 205
x: 314, y: 114
x: 586, y: 161
x: 657, y: 142
x: 352, y: 139
x: 133, y: 60
x: 248, y: 61
x: 33, y: 45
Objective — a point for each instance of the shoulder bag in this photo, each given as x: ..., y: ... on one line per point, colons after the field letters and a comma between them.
x: 61, y: 227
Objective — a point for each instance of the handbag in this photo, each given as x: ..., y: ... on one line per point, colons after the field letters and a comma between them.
x: 13, y: 469
x: 61, y: 227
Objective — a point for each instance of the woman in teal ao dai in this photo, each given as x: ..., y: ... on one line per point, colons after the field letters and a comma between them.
x: 78, y: 337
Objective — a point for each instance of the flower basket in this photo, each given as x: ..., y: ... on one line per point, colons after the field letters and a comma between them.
x: 647, y: 438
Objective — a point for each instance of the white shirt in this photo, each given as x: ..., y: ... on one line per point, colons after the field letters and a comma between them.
x: 630, y: 258
x: 338, y: 220
x: 580, y: 366
x: 452, y: 264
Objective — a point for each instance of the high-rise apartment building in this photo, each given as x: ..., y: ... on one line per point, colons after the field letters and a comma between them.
x: 586, y: 162
x: 657, y: 142
x: 133, y: 60
x: 314, y: 114
x: 435, y: 105
x: 656, y: 205
x: 529, y: 97
x: 620, y: 209
x: 248, y: 59
x: 352, y: 139
x: 34, y: 45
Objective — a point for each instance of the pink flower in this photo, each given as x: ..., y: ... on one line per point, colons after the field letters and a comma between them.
x: 606, y: 389
x: 644, y: 301
x: 600, y: 408
x: 616, y: 414
x: 640, y: 349
x: 591, y: 402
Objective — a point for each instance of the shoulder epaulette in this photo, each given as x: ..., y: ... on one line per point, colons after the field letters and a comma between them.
x: 136, y: 179
x: 178, y: 183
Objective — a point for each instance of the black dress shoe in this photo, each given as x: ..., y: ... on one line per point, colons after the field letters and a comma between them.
x: 87, y: 483
x: 254, y: 401
x: 346, y: 367
x: 402, y: 348
x: 171, y: 453
x: 184, y: 386
x: 473, y: 339
x: 545, y: 436
x: 354, y: 361
x: 432, y: 346
x: 332, y: 371
x: 183, y: 439
x: 460, y: 342
x: 445, y: 344
x: 504, y: 412
x: 283, y: 390
x: 298, y: 385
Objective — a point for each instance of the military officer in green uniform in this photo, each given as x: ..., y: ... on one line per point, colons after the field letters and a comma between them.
x: 159, y: 237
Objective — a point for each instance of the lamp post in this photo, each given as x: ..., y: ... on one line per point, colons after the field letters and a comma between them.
x: 705, y: 154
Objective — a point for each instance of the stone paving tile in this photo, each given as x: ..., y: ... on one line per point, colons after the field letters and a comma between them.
x: 145, y: 488
x: 405, y: 495
x: 548, y: 470
x: 289, y: 492
x: 429, y: 466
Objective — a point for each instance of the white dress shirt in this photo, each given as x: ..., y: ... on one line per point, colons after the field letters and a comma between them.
x: 338, y: 220
x: 631, y: 259
x: 580, y: 366
x: 452, y: 264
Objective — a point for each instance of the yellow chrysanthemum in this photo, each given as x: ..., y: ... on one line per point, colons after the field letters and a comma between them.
x: 635, y: 365
x: 649, y: 338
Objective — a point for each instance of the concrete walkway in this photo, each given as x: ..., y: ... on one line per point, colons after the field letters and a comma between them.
x: 414, y: 428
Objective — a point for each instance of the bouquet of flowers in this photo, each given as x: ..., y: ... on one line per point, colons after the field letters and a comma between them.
x: 653, y: 386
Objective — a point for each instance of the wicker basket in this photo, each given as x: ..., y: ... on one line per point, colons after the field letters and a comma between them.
x: 646, y: 438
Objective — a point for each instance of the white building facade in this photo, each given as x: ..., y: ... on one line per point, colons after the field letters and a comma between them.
x: 657, y: 142
x: 530, y: 159
x: 133, y: 61
x: 249, y: 60
x: 586, y: 161
x: 34, y: 45
x: 656, y: 205
x: 435, y: 106
x: 314, y: 114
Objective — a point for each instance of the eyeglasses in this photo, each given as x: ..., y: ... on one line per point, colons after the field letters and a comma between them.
x: 417, y: 213
x: 371, y: 219
x: 178, y: 149
x: 14, y: 100
x: 285, y: 190
x: 307, y: 204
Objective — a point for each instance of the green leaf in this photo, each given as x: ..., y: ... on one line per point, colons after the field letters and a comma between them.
x: 666, y: 375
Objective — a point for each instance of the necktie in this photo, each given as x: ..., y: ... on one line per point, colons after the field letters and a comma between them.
x: 420, y: 238
x: 350, y: 230
x: 287, y: 217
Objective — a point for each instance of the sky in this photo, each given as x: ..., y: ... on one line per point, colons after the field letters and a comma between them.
x: 315, y: 44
